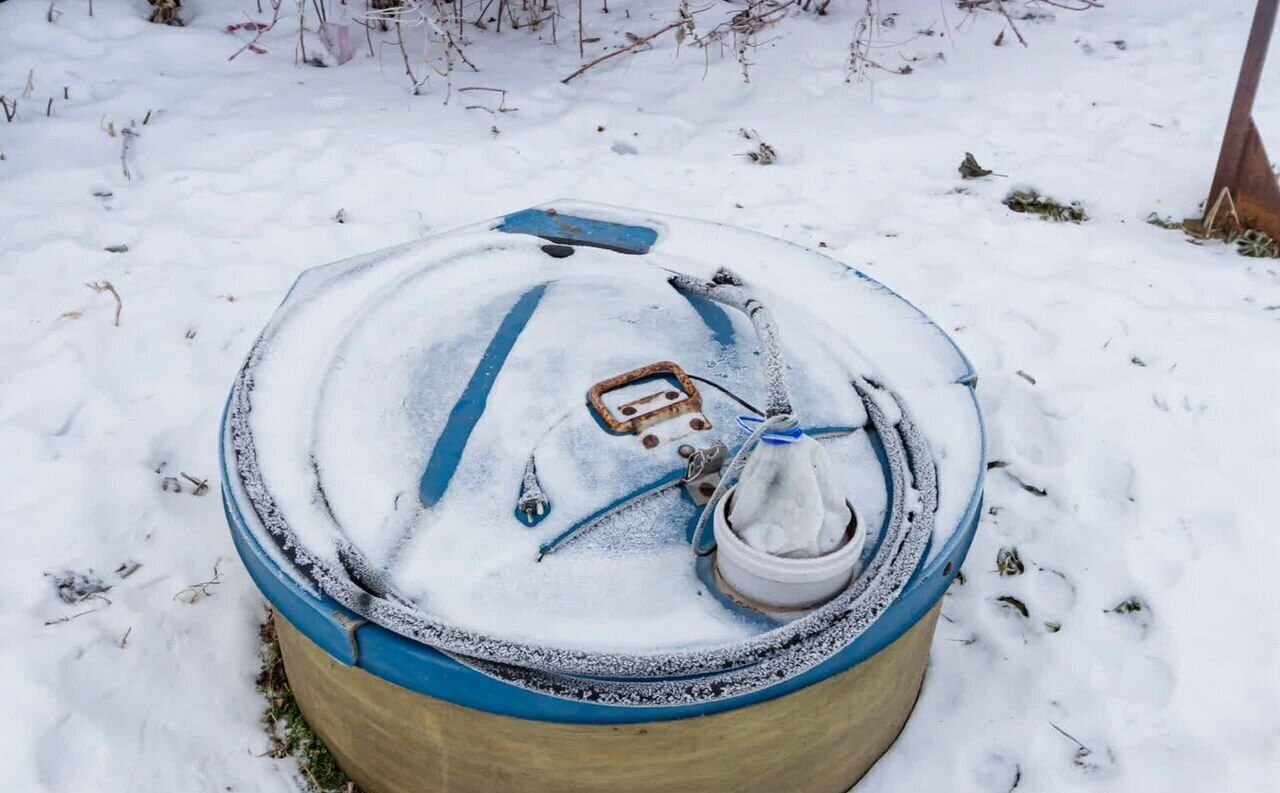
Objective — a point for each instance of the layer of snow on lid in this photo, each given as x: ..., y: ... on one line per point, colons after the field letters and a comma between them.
x: 371, y: 364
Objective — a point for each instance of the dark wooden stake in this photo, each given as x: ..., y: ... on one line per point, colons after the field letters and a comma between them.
x: 1244, y: 170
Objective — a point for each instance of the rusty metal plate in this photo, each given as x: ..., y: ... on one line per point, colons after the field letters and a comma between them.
x: 639, y: 415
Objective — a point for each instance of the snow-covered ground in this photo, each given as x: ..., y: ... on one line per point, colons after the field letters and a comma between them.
x: 1129, y: 375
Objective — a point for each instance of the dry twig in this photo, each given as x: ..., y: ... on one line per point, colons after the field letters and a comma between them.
x: 1012, y: 26
x: 202, y: 485
x: 199, y: 591
x: 77, y: 615
x: 127, y: 135
x: 258, y: 27
x: 502, y: 100
x: 637, y: 42
x: 106, y: 286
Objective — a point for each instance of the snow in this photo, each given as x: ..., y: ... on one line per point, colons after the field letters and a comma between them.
x: 348, y: 392
x: 1158, y: 476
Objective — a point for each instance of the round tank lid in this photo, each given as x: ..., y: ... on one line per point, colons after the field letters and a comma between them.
x: 512, y: 427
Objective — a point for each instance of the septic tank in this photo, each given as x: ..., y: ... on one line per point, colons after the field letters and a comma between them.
x: 593, y: 499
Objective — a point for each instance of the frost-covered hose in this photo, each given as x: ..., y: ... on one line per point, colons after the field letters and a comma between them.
x: 725, y: 670
x: 817, y: 635
x: 727, y: 288
x: 733, y: 471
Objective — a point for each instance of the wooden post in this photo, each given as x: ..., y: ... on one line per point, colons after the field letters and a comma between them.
x: 1244, y: 170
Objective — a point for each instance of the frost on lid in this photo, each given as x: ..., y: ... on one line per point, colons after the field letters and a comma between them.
x: 368, y: 365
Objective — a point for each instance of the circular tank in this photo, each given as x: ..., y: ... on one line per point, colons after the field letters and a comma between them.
x: 473, y: 477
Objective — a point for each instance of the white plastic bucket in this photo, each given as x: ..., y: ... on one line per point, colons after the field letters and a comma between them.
x: 781, y: 582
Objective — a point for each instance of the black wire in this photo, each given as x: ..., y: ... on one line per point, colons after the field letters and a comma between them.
x: 731, y: 395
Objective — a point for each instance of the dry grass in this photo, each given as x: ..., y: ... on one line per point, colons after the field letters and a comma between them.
x: 430, y: 37
x: 1223, y: 222
x: 165, y: 12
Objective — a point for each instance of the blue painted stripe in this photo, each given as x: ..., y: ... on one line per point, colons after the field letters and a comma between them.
x: 573, y: 230
x: 448, y: 450
x: 714, y: 317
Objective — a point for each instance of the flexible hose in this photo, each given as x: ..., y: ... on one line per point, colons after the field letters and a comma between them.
x: 638, y: 679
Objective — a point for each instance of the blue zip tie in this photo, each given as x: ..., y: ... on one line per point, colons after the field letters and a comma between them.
x: 750, y: 423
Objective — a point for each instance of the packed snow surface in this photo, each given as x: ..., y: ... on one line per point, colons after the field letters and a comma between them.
x: 1128, y: 378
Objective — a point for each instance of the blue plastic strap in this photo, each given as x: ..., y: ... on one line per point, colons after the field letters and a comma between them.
x: 750, y: 423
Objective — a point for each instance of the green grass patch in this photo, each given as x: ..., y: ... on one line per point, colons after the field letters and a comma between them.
x: 1032, y: 203
x: 1257, y: 244
x: 1164, y: 222
x: 288, y: 731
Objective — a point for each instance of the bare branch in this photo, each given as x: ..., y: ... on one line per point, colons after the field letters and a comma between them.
x: 683, y: 21
x: 259, y: 29
x: 1005, y: 13
x: 61, y: 620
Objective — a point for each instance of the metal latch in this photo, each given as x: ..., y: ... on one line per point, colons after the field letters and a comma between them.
x: 703, y: 474
x: 643, y: 415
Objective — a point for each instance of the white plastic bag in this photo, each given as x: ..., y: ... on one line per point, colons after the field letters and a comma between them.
x: 788, y: 501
